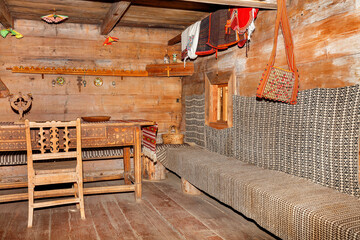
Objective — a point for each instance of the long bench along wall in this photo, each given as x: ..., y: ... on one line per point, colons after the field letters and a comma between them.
x: 316, y: 139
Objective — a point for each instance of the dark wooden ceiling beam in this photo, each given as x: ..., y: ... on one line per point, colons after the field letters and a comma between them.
x: 125, y: 23
x: 114, y: 14
x: 175, y: 4
x: 5, y: 17
x: 239, y: 3
x: 174, y: 40
x: 232, y: 3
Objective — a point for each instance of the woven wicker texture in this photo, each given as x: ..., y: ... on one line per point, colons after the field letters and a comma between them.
x: 288, y: 206
x: 195, y: 119
x: 280, y: 85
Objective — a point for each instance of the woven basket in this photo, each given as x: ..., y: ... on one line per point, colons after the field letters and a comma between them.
x: 173, y: 136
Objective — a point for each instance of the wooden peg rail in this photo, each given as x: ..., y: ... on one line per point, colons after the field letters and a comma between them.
x: 77, y: 71
x: 170, y: 70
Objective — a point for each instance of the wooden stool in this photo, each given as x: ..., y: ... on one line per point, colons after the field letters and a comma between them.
x: 51, y: 141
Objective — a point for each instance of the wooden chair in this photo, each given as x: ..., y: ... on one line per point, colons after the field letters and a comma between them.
x: 54, y: 157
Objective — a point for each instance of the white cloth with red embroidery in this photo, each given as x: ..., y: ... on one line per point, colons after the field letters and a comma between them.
x: 189, y: 40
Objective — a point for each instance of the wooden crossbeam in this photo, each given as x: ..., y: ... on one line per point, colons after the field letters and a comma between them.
x: 233, y: 3
x: 239, y: 3
x: 174, y: 40
x: 114, y: 14
x: 5, y: 17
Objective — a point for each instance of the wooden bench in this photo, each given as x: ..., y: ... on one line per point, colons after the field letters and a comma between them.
x: 286, y: 205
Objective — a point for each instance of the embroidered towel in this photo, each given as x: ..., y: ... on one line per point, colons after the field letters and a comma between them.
x: 189, y: 41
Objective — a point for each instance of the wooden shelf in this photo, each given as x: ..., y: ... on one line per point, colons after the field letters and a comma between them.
x: 170, y: 70
x: 77, y: 71
x: 159, y: 70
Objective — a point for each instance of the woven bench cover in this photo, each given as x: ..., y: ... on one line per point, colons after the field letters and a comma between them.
x: 18, y: 158
x: 160, y: 154
x: 288, y: 206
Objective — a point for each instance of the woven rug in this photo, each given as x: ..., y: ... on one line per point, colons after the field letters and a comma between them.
x: 195, y: 119
x: 20, y: 157
x: 220, y: 140
x: 315, y: 139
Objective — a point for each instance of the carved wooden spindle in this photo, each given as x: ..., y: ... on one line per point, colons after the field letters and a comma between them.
x: 54, y: 139
x: 67, y: 139
x: 42, y: 140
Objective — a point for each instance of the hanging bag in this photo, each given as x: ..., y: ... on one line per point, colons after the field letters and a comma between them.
x: 277, y: 83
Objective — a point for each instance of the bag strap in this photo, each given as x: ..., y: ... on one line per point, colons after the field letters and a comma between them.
x: 277, y: 24
x: 282, y: 19
x: 289, y: 48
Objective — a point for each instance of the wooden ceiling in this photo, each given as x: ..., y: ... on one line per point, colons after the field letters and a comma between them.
x: 174, y: 14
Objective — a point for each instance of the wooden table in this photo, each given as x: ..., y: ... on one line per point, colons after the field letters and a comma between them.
x: 121, y: 133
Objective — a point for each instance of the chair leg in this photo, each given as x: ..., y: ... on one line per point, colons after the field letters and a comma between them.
x: 76, y: 190
x: 81, y: 197
x: 31, y: 205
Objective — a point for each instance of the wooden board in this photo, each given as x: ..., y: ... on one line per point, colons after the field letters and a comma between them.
x: 167, y: 70
x: 102, y: 134
x: 80, y: 46
x: 165, y: 213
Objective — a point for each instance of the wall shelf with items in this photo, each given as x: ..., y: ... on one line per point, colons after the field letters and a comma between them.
x: 79, y: 71
x: 158, y: 70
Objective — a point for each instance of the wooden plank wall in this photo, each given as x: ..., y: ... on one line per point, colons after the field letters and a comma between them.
x: 326, y: 35
x: 80, y: 46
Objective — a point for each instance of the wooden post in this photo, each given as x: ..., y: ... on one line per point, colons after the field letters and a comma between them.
x: 127, y: 166
x: 137, y: 163
x: 188, y: 188
x: 153, y: 171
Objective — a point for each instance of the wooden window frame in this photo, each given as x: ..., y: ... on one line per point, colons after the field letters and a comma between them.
x: 213, y: 82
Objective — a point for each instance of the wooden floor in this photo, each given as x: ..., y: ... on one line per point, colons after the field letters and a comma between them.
x: 164, y: 213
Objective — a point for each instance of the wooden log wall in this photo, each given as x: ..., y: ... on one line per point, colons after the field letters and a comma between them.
x: 326, y: 36
x: 80, y: 46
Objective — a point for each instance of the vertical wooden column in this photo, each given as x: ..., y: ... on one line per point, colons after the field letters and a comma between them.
x: 137, y: 163
x: 188, y: 188
x: 153, y: 171
x: 127, y: 166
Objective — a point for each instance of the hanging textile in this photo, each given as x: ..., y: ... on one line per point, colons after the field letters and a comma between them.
x: 203, y: 48
x: 225, y: 28
x: 189, y: 41
x: 277, y: 83
x: 242, y: 21
x: 219, y: 38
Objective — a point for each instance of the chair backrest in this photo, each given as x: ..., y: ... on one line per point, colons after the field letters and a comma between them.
x: 53, y: 140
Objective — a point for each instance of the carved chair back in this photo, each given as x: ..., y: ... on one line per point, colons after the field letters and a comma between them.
x: 54, y: 140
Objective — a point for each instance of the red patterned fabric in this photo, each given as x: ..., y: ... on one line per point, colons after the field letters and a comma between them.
x: 149, y: 137
x: 240, y: 20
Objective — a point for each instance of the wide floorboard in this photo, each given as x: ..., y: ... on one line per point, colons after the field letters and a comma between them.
x: 164, y: 213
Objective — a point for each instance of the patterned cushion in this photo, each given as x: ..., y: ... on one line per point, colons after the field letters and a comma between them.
x: 288, y: 206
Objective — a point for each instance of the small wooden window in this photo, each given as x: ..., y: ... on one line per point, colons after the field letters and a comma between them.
x: 219, y: 102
